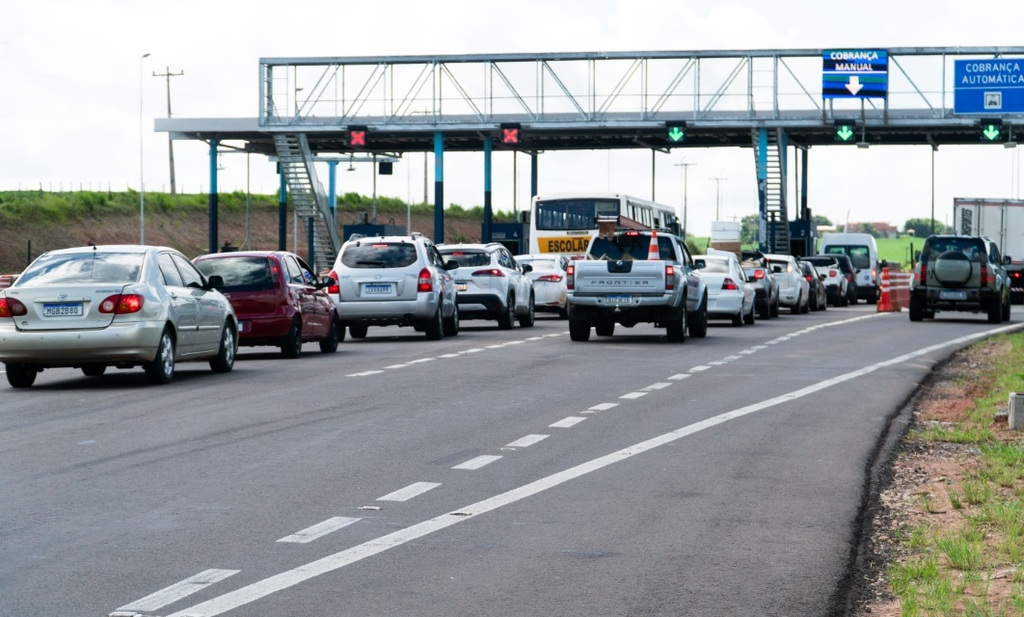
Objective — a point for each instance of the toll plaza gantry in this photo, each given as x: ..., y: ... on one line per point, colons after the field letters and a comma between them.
x: 772, y: 101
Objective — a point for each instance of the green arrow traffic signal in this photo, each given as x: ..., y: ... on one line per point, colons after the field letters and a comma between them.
x: 676, y: 132
x: 844, y: 132
x: 992, y: 130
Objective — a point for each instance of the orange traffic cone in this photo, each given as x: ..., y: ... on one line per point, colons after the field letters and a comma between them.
x: 652, y: 252
x: 885, y: 294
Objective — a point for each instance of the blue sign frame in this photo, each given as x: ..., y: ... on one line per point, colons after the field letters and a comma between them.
x: 854, y: 73
x: 988, y: 86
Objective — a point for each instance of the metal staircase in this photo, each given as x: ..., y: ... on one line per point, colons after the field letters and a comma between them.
x: 770, y: 159
x: 308, y: 197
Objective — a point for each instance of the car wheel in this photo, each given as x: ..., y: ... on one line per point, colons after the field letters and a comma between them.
x: 21, y: 375
x: 844, y: 301
x: 764, y: 311
x: 330, y: 343
x: 605, y: 328
x: 358, y: 330
x: 1006, y: 309
x: 775, y: 308
x: 161, y: 369
x: 527, y: 320
x: 291, y: 344
x: 676, y: 330
x: 94, y: 370
x: 995, y: 312
x: 916, y: 310
x: 579, y: 330
x: 451, y: 324
x: 435, y: 327
x: 697, y: 321
x: 749, y: 317
x: 224, y: 361
x: 738, y: 318
x: 563, y: 313
x: 508, y: 315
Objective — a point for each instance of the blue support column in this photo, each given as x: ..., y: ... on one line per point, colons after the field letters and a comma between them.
x: 438, y: 187
x: 332, y: 187
x: 762, y: 189
x: 282, y: 211
x: 487, y: 190
x: 533, y: 177
x: 213, y: 196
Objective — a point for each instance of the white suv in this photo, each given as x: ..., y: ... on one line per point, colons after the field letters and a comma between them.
x: 490, y: 284
x: 394, y: 281
x: 794, y: 291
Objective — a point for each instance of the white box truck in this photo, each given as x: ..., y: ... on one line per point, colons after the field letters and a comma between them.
x: 1002, y: 220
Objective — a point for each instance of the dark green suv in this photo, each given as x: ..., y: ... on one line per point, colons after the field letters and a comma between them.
x: 960, y: 273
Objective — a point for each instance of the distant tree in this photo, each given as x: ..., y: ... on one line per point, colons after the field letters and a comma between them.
x: 866, y: 228
x: 922, y: 228
x: 821, y: 221
x: 749, y: 226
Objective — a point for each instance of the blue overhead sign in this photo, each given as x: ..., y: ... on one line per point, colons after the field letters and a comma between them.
x: 988, y: 86
x: 854, y: 73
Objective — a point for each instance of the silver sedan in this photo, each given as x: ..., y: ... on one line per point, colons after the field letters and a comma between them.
x: 120, y: 306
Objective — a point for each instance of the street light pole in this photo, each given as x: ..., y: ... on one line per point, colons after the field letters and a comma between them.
x: 718, y: 195
x: 142, y: 175
x: 685, y: 166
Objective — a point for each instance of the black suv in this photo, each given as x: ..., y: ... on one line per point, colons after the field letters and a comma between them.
x: 960, y: 273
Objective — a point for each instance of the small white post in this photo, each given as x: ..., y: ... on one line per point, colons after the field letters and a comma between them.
x: 1015, y: 413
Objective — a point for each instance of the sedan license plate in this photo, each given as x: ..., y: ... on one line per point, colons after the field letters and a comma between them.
x: 378, y: 289
x: 62, y: 309
x: 460, y: 287
x: 619, y: 300
x: 947, y: 294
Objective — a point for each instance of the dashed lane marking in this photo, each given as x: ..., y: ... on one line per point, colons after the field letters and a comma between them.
x: 407, y: 493
x: 567, y: 422
x: 319, y: 530
x: 477, y: 463
x: 178, y: 591
x: 526, y: 442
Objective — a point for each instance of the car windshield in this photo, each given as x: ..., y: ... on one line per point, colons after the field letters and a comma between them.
x: 85, y: 267
x: 468, y: 258
x: 240, y: 273
x: 378, y: 255
x: 858, y: 254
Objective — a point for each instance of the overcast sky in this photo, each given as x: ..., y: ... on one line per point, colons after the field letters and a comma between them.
x: 74, y: 81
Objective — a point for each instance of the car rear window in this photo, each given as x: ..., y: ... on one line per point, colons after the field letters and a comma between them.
x: 379, y: 255
x: 468, y: 258
x: 711, y: 265
x: 240, y: 273
x: 972, y: 248
x: 822, y: 262
x: 84, y: 267
x: 538, y: 264
x: 629, y: 246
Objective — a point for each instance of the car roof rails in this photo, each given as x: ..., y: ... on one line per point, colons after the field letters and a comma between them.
x: 415, y: 234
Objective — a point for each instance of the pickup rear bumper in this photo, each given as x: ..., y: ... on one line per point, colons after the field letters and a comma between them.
x: 645, y: 310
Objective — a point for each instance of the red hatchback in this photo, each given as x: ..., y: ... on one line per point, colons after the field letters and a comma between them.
x: 277, y: 298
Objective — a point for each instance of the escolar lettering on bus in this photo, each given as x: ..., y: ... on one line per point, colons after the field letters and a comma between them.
x: 567, y: 245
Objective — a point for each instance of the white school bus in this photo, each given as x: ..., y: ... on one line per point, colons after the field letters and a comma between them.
x: 564, y: 223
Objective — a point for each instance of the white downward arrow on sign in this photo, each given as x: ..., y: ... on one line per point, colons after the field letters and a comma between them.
x: 854, y: 85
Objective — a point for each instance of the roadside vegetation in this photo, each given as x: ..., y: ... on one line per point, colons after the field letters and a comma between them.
x: 961, y: 542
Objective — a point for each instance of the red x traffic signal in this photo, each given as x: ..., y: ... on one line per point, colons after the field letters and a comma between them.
x: 510, y: 134
x: 357, y: 136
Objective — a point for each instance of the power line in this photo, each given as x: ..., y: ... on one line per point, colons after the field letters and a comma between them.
x: 170, y: 142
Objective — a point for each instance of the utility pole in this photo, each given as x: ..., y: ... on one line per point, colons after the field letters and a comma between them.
x: 685, y: 166
x: 170, y: 142
x: 718, y: 196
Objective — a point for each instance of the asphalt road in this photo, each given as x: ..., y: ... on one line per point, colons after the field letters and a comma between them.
x: 495, y: 473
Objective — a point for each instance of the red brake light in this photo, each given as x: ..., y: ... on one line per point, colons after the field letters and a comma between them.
x: 632, y: 233
x: 489, y: 272
x: 335, y: 288
x: 922, y: 274
x: 424, y: 282
x: 570, y: 276
x: 9, y: 307
x: 550, y: 278
x: 759, y: 273
x: 122, y: 304
x: 729, y: 284
x: 984, y: 275
x: 832, y: 273
x: 670, y: 277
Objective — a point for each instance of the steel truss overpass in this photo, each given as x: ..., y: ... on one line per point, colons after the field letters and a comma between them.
x: 769, y: 100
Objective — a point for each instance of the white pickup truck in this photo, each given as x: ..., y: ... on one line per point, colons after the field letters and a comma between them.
x: 621, y: 281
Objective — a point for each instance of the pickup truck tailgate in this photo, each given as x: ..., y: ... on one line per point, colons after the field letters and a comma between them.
x: 638, y: 277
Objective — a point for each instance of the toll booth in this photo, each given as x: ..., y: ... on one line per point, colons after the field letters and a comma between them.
x: 372, y: 230
x: 803, y: 238
x: 514, y: 236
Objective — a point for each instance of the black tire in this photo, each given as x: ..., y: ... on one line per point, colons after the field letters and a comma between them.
x: 845, y: 300
x: 1006, y: 309
x: 579, y: 330
x: 563, y: 313
x: 358, y: 330
x: 94, y: 370
x: 738, y: 318
x: 508, y: 315
x: 21, y: 375
x: 224, y: 361
x: 995, y: 312
x: 161, y: 369
x: 916, y: 310
x: 604, y: 328
x: 451, y: 324
x: 291, y: 344
x: 435, y: 327
x: 697, y: 321
x: 676, y: 330
x: 775, y: 308
x: 749, y: 317
x: 764, y: 311
x: 528, y: 320
x: 805, y: 307
x: 330, y: 343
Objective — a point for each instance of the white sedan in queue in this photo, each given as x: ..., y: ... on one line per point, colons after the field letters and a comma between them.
x: 730, y: 296
x: 549, y: 281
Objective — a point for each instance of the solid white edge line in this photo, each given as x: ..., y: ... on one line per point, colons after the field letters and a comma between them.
x: 319, y: 530
x: 179, y: 590
x: 289, y: 578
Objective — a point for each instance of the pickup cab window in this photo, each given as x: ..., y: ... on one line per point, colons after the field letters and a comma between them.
x: 629, y: 246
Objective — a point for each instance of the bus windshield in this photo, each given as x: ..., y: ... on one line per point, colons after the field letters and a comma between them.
x: 573, y: 214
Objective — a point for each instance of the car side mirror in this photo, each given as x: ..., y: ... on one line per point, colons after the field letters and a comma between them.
x: 327, y: 281
x: 451, y: 264
x: 527, y: 268
x: 214, y: 281
x: 1007, y: 260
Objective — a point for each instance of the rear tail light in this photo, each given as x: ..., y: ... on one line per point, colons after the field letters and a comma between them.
x: 759, y: 274
x: 808, y: 277
x: 570, y: 276
x: 122, y: 304
x: 9, y: 307
x: 729, y: 285
x: 425, y: 282
x: 984, y: 275
x: 670, y: 277
x: 922, y: 274
x: 550, y: 278
x: 833, y: 273
x: 335, y: 288
x: 489, y: 272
